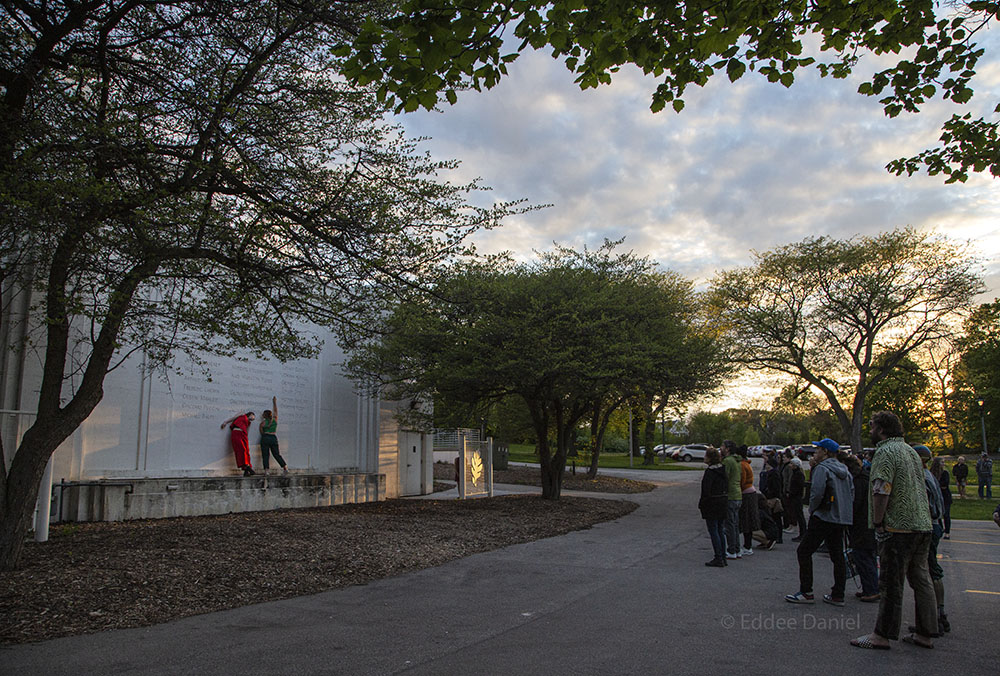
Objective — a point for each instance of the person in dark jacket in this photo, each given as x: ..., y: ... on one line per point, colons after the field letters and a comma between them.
x: 961, y: 473
x: 793, y: 498
x: 941, y: 474
x: 713, y: 505
x: 769, y: 533
x: 935, y: 501
x: 831, y: 510
x: 861, y: 536
x: 771, y: 489
x: 984, y: 475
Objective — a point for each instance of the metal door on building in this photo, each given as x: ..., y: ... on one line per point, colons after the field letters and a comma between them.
x: 412, y: 462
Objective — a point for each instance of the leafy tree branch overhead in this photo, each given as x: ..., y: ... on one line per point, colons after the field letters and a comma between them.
x: 427, y: 50
x: 196, y: 177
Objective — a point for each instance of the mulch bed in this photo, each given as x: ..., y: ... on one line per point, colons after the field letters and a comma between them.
x: 97, y: 576
x: 531, y: 476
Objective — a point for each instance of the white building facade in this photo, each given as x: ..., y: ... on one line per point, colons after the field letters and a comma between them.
x: 154, y: 448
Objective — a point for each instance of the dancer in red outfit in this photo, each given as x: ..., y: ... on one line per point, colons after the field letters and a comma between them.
x: 239, y: 424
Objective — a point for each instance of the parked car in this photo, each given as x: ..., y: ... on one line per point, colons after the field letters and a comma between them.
x: 666, y: 451
x: 802, y: 451
x: 690, y: 452
x: 760, y: 450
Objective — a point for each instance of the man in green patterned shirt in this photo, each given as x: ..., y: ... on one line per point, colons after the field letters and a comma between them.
x: 900, y: 515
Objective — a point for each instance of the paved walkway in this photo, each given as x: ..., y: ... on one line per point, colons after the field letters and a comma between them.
x: 626, y: 597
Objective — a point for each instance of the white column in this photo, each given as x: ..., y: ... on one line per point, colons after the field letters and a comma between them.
x: 44, y: 505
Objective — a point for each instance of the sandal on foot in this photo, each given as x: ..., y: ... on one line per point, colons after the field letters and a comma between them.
x: 866, y: 642
x: 912, y: 640
x: 913, y: 630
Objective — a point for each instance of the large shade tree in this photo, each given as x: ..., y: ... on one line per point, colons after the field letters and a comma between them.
x: 194, y: 176
x: 674, y: 354
x: 906, y: 391
x: 977, y: 377
x: 841, y: 315
x: 426, y: 49
x: 560, y: 333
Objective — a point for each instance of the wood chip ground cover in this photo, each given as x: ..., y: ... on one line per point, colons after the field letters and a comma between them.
x: 99, y: 576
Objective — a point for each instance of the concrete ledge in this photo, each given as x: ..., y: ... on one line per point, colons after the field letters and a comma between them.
x: 122, y: 500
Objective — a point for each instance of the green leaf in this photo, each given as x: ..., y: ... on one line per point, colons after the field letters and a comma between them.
x: 735, y: 69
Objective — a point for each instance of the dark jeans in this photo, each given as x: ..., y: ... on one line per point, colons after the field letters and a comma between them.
x: 947, y: 515
x: 793, y: 514
x: 933, y: 567
x: 268, y: 447
x: 864, y: 560
x: 733, y: 526
x: 818, y: 532
x: 987, y: 483
x: 904, y: 557
x: 716, y: 531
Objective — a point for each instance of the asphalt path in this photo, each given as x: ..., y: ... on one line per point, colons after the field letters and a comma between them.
x: 630, y: 596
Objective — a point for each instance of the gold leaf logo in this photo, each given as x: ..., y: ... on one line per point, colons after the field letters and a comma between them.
x: 476, y: 467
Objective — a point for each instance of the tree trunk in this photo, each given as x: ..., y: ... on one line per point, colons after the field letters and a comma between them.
x: 649, y: 438
x: 21, y: 490
x: 596, y: 441
x: 857, y: 418
x: 598, y: 426
x: 552, y: 481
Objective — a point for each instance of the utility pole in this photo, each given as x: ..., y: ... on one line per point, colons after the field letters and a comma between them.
x: 982, y: 421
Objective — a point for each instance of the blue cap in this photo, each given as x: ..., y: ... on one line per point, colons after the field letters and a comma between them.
x: 829, y: 444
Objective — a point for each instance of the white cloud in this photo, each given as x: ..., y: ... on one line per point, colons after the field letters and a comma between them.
x: 744, y: 166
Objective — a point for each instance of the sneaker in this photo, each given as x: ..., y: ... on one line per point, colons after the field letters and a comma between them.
x: 716, y: 563
x: 832, y: 600
x: 746, y: 552
x: 870, y: 598
x: 266, y: 472
x: 943, y: 623
x: 799, y: 597
x: 770, y: 545
x: 947, y: 536
x: 790, y: 529
x: 284, y: 470
x: 732, y: 556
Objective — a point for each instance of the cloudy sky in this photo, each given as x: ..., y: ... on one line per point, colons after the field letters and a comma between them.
x: 744, y: 166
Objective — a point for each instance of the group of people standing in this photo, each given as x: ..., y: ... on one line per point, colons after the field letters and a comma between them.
x: 731, y: 505
x: 239, y: 426
x: 883, y: 517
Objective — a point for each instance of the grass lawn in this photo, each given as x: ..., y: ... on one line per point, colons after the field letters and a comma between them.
x: 974, y: 508
x: 526, y: 453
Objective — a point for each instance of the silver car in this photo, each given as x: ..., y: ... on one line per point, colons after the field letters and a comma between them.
x: 691, y: 452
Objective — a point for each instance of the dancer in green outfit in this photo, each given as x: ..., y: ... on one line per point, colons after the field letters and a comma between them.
x: 269, y: 439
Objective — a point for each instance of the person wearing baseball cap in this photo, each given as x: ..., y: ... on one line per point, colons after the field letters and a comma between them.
x: 935, y: 501
x: 831, y: 509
